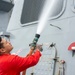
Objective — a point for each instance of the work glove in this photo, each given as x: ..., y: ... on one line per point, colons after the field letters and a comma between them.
x: 39, y: 47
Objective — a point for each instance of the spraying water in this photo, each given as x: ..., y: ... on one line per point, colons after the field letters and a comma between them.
x: 45, y: 15
x: 47, y: 11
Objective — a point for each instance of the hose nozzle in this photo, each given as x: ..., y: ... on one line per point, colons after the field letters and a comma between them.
x: 35, y: 40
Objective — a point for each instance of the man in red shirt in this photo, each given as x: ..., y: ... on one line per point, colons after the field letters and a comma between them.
x: 14, y: 64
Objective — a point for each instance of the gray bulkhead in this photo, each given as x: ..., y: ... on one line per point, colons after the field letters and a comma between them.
x: 60, y: 29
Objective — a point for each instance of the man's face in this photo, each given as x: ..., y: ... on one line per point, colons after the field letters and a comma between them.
x: 7, y: 47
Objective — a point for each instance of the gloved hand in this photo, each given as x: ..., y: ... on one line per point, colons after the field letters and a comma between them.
x: 32, y: 46
x: 39, y: 47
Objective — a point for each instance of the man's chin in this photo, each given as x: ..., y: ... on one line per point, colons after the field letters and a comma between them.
x: 11, y: 48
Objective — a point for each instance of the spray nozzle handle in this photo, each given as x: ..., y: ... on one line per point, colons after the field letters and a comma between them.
x: 35, y: 40
x: 32, y: 46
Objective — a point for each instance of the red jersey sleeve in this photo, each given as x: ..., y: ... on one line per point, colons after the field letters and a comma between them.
x: 22, y: 63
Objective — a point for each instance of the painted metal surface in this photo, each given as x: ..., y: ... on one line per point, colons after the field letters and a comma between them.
x: 62, y: 32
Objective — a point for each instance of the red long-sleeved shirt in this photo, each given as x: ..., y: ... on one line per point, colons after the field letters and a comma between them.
x: 14, y: 64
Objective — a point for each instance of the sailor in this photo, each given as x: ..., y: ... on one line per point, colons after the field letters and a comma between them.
x: 14, y: 64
